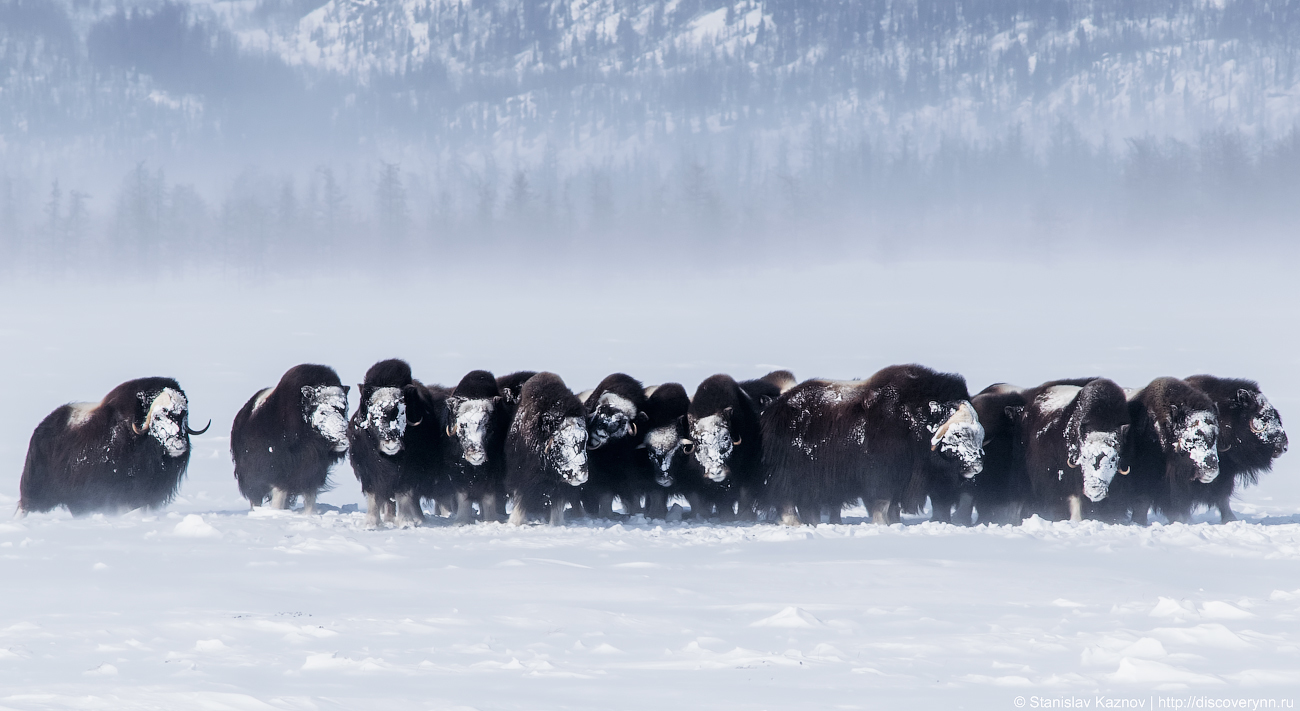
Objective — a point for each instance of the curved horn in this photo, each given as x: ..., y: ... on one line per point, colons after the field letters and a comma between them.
x: 1125, y: 470
x: 148, y: 418
x: 938, y: 435
x: 191, y: 431
x: 633, y: 425
x: 736, y: 442
x: 137, y: 430
x: 1253, y: 428
x: 448, y: 429
x: 414, y: 424
x: 1070, y: 464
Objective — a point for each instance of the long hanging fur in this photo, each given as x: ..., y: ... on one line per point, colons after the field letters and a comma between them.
x: 722, y: 397
x: 615, y: 409
x: 482, y: 483
x: 94, y: 457
x: 1243, y: 453
x: 273, y: 443
x: 666, y: 408
x: 532, y: 477
x: 1001, y: 490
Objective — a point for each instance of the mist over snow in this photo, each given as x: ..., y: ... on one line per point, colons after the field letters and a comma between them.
x: 1013, y: 190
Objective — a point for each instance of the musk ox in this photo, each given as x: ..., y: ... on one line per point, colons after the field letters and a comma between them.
x: 723, y: 450
x: 1002, y: 487
x: 512, y: 385
x: 1073, y: 437
x: 765, y: 390
x: 546, y: 449
x: 1250, y: 438
x: 615, y: 414
x: 286, y: 438
x: 125, y: 452
x: 1172, y: 443
x: 892, y: 439
x: 476, y: 423
x: 666, y: 407
x: 394, y: 439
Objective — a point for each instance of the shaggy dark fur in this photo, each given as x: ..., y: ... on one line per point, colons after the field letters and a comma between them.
x: 1250, y: 438
x: 722, y: 472
x: 999, y: 492
x: 513, y: 384
x: 1163, y: 431
x: 546, y: 449
x: 276, y: 445
x: 815, y: 448
x: 615, y: 415
x: 108, y: 456
x: 765, y: 390
x: 393, y: 481
x: 1065, y: 473
x: 477, y: 417
x: 666, y: 407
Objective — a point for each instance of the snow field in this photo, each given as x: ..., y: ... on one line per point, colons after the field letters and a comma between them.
x: 267, y: 609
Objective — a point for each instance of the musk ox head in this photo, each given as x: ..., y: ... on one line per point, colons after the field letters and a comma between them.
x: 386, y: 418
x: 1194, y: 439
x: 662, y: 444
x: 959, y: 436
x: 325, y: 409
x: 566, y: 448
x: 470, y: 423
x: 1096, y: 454
x: 1263, y: 420
x: 711, y: 442
x: 165, y: 420
x: 612, y: 417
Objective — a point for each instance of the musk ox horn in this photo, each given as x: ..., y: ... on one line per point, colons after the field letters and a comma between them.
x: 1070, y: 464
x: 148, y: 418
x: 1125, y: 470
x: 633, y: 425
x: 416, y: 423
x: 191, y: 431
x: 448, y: 430
x: 1253, y: 428
x: 736, y: 442
x: 962, y: 415
x: 688, y: 446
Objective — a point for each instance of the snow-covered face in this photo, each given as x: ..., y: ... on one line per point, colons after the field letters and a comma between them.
x: 662, y: 445
x: 1098, y: 461
x: 612, y: 418
x: 961, y: 437
x: 470, y: 420
x: 1197, y: 439
x: 325, y: 408
x: 165, y: 421
x: 567, y: 450
x: 386, y: 417
x: 713, y: 445
x: 1266, y: 425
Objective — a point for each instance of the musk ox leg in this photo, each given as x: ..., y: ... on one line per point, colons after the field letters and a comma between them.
x: 1016, y: 513
x: 895, y: 512
x: 699, y: 509
x: 518, y: 515
x: 1141, y: 509
x: 557, y: 512
x: 631, y: 504
x: 836, y: 515
x: 746, y: 506
x: 880, y: 512
x: 1076, y: 507
x: 390, y: 510
x: 606, y: 507
x: 374, y: 510
x: 789, y: 517
x: 965, y: 509
x: 656, y: 505
x: 279, y: 498
x: 1225, y: 511
x: 407, y: 510
x: 309, y: 503
x: 940, y: 510
x: 488, y: 507
x: 464, y: 509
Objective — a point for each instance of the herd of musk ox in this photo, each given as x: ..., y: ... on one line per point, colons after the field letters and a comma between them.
x: 769, y: 448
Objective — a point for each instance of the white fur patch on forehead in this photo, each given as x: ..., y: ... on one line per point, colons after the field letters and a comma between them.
x: 386, y: 397
x: 1057, y: 397
x: 712, y: 445
x: 79, y: 413
x: 261, y: 398
x: 617, y: 402
x: 165, y: 417
x: 331, y: 395
x: 663, y: 439
x: 169, y: 400
x: 1098, y: 461
x: 474, y: 410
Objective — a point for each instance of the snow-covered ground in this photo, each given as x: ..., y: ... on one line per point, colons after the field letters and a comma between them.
x: 207, y: 606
